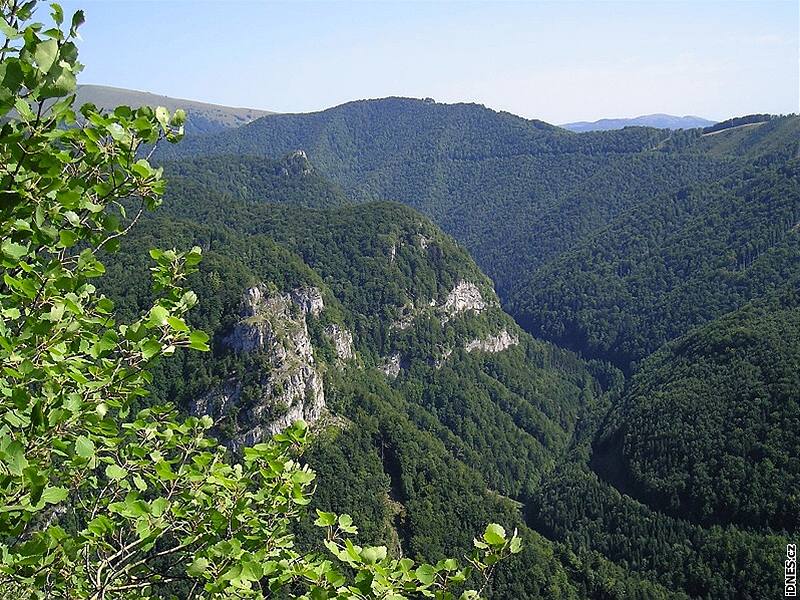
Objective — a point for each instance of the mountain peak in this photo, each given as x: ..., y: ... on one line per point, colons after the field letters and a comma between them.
x: 656, y: 120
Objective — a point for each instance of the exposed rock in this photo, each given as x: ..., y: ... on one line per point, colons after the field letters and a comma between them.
x: 391, y: 366
x: 465, y: 296
x: 493, y: 343
x: 424, y: 242
x: 295, y: 163
x: 309, y: 300
x: 342, y: 340
x: 290, y: 387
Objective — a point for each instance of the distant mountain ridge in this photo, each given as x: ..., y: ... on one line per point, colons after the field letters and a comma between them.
x: 659, y: 121
x: 202, y: 117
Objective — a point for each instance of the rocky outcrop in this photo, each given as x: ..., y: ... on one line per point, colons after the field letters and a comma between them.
x: 391, y: 366
x: 493, y: 343
x: 295, y: 163
x: 309, y: 300
x: 405, y: 317
x: 342, y: 341
x: 465, y: 296
x: 289, y: 386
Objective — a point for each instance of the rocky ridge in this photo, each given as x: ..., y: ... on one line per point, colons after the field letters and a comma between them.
x: 493, y: 343
x: 289, y: 386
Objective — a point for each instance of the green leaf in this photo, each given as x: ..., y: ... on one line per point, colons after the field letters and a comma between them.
x: 345, y: 521
x: 100, y: 525
x: 139, y: 483
x: 426, y: 574
x: 54, y: 495
x: 24, y: 109
x: 178, y: 324
x: 115, y: 472
x: 198, y: 340
x: 15, y: 458
x: 84, y: 447
x: 198, y: 567
x: 162, y: 116
x: 78, y: 19
x: 67, y: 237
x: 495, y: 535
x: 57, y: 14
x: 325, y: 519
x: 373, y: 554
x: 8, y: 31
x: 158, y: 315
x: 251, y: 571
x: 150, y: 348
x: 14, y: 250
x: 45, y: 54
x: 164, y: 470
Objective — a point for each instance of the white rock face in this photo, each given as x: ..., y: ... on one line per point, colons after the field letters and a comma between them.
x: 463, y: 297
x: 309, y: 300
x: 290, y: 388
x: 296, y: 163
x: 493, y: 343
x: 391, y: 367
x: 342, y: 340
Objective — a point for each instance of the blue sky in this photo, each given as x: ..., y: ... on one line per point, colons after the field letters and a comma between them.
x: 557, y: 61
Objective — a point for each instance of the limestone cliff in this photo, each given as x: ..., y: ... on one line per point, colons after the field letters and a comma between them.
x: 465, y: 296
x: 288, y: 385
x: 493, y: 343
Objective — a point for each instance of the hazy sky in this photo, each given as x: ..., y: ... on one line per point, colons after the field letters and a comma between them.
x: 557, y: 61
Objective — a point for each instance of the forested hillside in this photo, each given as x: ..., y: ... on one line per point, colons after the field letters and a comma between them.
x: 420, y: 432
x: 612, y: 245
x: 529, y: 201
x: 431, y: 317
x: 441, y: 414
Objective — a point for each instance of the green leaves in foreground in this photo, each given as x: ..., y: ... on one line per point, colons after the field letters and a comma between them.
x: 94, y: 503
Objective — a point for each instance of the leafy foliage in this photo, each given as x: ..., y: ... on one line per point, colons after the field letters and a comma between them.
x: 704, y: 430
x: 95, y: 505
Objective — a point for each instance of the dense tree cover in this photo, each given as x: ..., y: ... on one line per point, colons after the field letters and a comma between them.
x: 370, y: 264
x: 724, y: 225
x: 666, y: 266
x: 528, y: 199
x: 96, y: 502
x: 291, y: 180
x: 737, y: 122
x: 586, y: 513
x: 421, y: 455
x: 612, y: 244
x: 705, y: 430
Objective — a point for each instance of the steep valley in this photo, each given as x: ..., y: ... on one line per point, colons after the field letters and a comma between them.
x: 434, y: 410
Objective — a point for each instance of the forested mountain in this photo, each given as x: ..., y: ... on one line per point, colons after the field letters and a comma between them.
x: 659, y: 121
x: 587, y: 237
x: 431, y: 422
x: 669, y: 264
x: 202, y: 116
x: 705, y: 429
x: 430, y: 316
x: 434, y: 410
